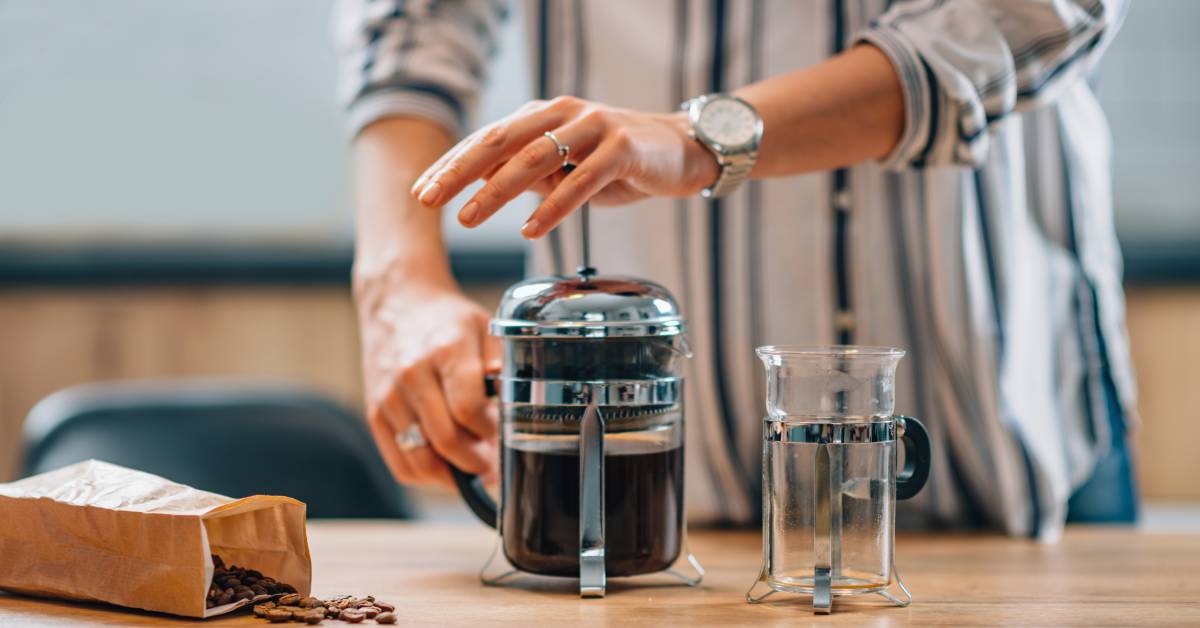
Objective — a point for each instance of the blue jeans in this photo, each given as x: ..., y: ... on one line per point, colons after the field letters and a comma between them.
x: 1110, y: 495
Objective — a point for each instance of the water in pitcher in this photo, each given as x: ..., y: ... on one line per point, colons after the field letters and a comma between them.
x: 861, y: 508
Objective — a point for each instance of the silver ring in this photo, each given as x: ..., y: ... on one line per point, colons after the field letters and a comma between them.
x: 411, y: 438
x: 563, y: 149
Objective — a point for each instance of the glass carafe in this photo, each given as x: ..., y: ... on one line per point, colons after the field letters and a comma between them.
x: 830, y: 474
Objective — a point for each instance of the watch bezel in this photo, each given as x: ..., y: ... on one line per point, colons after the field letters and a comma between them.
x: 696, y: 108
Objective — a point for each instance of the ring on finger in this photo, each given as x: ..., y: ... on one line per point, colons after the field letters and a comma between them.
x: 563, y: 149
x: 411, y: 438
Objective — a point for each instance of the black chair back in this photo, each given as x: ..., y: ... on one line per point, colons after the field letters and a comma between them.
x: 232, y: 438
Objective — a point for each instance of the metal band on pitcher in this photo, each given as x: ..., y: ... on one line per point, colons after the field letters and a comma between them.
x: 861, y: 432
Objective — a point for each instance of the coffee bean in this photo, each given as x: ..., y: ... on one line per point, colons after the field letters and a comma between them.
x: 385, y: 618
x: 385, y: 607
x: 289, y: 599
x: 278, y: 616
x: 260, y: 611
x: 333, y: 612
x: 309, y: 602
x: 352, y: 616
x: 217, y: 562
x: 226, y: 597
x: 369, y: 611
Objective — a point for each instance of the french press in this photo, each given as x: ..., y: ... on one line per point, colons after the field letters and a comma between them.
x: 830, y: 474
x: 591, y: 438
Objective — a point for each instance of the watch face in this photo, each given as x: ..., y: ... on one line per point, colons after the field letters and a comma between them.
x: 728, y: 122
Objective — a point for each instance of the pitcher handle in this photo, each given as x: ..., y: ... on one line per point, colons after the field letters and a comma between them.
x: 470, y: 486
x: 915, y: 473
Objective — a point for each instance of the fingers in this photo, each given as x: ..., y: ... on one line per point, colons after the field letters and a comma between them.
x: 480, y: 152
x: 535, y: 161
x: 424, y: 395
x: 461, y: 377
x: 419, y: 186
x: 433, y: 468
x: 493, y: 354
x: 407, y: 466
x: 595, y: 172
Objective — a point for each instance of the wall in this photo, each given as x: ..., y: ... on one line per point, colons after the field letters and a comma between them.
x: 139, y: 119
x: 1164, y: 329
x: 142, y: 119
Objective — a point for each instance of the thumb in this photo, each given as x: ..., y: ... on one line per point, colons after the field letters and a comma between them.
x: 492, y: 354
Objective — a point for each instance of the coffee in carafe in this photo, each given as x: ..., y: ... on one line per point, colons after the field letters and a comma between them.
x: 541, y: 529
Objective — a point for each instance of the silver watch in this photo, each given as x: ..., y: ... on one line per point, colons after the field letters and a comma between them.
x: 731, y: 129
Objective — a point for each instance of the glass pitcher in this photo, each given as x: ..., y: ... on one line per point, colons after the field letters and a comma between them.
x: 830, y: 477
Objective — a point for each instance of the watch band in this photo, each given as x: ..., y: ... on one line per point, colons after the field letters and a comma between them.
x: 733, y: 173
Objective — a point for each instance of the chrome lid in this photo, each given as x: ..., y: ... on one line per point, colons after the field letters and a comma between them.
x: 587, y: 307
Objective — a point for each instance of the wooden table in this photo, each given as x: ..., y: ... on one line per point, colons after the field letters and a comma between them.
x: 1094, y: 577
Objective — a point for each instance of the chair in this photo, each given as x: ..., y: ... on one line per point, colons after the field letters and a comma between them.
x: 231, y: 438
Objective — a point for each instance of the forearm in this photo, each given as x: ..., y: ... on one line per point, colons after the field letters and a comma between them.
x: 398, y: 241
x: 840, y: 112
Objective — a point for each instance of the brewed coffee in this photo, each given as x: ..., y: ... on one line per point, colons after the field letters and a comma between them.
x: 643, y: 504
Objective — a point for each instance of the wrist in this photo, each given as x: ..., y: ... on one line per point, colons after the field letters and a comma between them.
x: 700, y: 165
x: 374, y: 281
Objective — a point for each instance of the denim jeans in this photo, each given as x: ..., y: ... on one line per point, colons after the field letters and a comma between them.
x: 1110, y: 495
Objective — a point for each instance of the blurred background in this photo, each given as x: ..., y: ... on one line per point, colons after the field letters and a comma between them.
x: 173, y: 203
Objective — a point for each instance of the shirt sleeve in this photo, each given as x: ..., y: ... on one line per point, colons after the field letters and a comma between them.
x: 965, y: 64
x: 424, y: 58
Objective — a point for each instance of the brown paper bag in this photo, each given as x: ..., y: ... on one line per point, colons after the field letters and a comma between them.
x: 97, y: 531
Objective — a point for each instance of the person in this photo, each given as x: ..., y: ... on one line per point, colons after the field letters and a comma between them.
x: 931, y: 174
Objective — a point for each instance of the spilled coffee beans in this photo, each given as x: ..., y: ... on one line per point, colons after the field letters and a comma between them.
x: 313, y: 610
x: 279, y: 602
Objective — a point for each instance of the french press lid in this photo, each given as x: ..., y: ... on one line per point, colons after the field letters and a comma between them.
x: 586, y: 306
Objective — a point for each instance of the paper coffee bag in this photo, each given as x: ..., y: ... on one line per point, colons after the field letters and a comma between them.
x: 97, y: 531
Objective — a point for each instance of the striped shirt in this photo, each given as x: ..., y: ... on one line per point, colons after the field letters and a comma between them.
x: 984, y: 243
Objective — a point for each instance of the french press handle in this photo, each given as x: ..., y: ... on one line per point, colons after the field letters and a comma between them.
x: 470, y: 486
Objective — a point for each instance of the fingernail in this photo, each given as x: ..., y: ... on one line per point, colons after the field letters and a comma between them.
x: 431, y: 194
x: 417, y: 185
x: 530, y: 228
x: 467, y: 215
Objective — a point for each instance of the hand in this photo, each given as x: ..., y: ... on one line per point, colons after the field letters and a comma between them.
x: 425, y: 351
x: 621, y: 156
